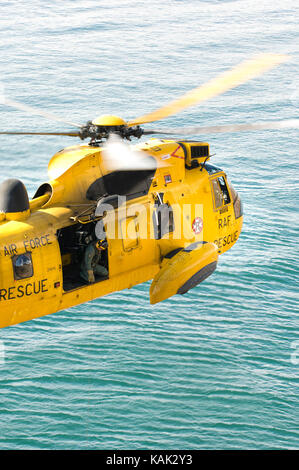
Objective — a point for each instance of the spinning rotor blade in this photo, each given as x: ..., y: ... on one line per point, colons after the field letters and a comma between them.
x: 35, y: 111
x: 232, y: 78
x: 287, y: 123
x: 71, y: 134
x: 118, y: 155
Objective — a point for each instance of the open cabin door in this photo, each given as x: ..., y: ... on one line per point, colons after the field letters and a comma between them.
x: 74, y: 240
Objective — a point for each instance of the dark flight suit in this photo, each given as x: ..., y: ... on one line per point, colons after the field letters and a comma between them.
x: 90, y: 266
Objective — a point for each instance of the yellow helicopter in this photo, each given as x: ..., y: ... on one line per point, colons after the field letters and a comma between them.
x: 114, y: 215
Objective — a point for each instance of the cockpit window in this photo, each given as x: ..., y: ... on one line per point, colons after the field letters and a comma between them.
x: 22, y: 266
x: 221, y: 193
x: 238, y: 206
x: 224, y: 190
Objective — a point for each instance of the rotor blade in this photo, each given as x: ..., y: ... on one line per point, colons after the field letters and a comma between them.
x: 287, y: 123
x: 71, y: 134
x: 35, y: 111
x: 119, y: 156
x: 232, y: 78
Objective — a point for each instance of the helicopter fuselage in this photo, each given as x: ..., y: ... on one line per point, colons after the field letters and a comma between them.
x: 169, y: 224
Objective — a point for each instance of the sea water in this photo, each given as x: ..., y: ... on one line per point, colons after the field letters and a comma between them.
x: 216, y: 368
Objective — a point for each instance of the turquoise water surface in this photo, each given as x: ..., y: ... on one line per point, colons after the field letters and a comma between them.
x: 217, y: 368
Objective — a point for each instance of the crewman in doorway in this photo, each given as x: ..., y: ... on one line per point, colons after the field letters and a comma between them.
x: 90, y: 266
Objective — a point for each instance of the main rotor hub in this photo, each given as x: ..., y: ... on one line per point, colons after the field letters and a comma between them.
x: 108, y: 120
x: 101, y: 127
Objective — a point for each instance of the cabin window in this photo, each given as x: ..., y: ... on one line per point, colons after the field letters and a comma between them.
x: 129, y: 230
x: 221, y: 193
x: 22, y: 266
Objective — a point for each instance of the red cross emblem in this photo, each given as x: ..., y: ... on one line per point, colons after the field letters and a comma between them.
x: 197, y: 225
